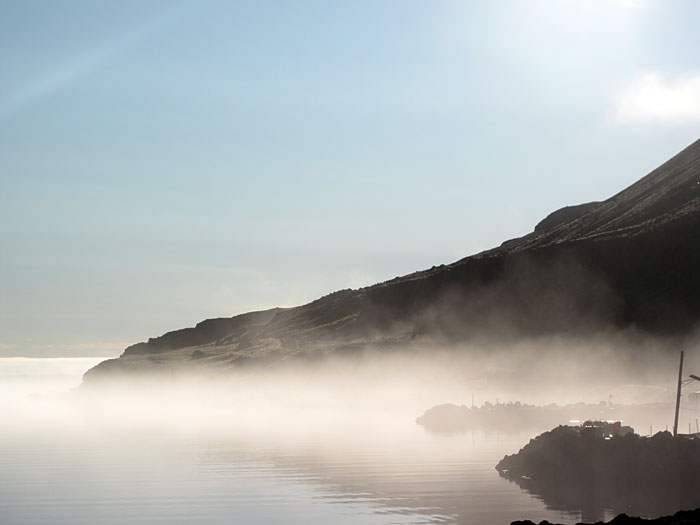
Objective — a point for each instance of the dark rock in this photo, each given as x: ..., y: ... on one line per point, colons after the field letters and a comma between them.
x: 683, y: 517
x: 570, y: 469
x: 564, y: 215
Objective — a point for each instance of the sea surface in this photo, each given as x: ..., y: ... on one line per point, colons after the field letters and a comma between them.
x: 66, y: 462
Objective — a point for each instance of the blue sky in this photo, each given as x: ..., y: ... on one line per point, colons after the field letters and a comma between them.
x: 166, y: 162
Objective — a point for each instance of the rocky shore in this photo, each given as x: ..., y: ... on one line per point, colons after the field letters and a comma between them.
x: 683, y: 517
x: 581, y: 468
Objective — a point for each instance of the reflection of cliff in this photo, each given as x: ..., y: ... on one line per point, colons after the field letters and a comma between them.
x: 569, y: 469
x: 516, y: 417
x: 443, y: 481
x: 628, y: 262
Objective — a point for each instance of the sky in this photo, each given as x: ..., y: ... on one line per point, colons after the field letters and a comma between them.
x: 164, y: 162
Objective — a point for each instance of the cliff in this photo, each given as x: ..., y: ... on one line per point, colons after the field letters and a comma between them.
x: 629, y: 262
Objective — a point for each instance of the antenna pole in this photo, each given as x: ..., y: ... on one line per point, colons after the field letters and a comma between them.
x: 678, y: 396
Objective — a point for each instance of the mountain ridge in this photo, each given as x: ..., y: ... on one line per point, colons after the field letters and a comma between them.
x: 628, y: 262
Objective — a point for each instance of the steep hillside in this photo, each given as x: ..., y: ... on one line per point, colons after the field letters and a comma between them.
x: 632, y: 261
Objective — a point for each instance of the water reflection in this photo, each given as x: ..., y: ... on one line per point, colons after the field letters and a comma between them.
x: 74, y: 463
x: 428, y: 479
x: 597, y: 501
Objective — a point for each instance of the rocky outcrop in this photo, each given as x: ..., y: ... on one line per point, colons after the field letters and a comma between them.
x: 571, y: 468
x: 567, y: 454
x: 564, y: 215
x: 210, y: 331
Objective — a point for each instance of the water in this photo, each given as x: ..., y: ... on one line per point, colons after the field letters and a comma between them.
x: 62, y: 463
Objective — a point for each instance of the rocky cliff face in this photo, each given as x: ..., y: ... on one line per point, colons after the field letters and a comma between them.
x: 564, y: 215
x: 632, y: 261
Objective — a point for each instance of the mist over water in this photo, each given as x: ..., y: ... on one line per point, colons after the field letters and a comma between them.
x: 332, y: 442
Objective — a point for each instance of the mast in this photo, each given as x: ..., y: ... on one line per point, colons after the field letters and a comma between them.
x: 678, y: 396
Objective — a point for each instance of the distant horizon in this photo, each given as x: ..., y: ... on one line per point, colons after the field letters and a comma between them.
x: 57, y: 354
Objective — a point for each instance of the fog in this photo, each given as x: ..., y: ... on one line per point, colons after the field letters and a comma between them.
x: 345, y: 394
x: 342, y: 430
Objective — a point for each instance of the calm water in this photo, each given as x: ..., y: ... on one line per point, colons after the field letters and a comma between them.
x: 61, y: 463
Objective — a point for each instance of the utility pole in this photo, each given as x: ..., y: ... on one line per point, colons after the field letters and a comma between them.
x: 678, y: 396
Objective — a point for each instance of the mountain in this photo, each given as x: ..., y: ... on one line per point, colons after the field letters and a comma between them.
x: 630, y: 262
